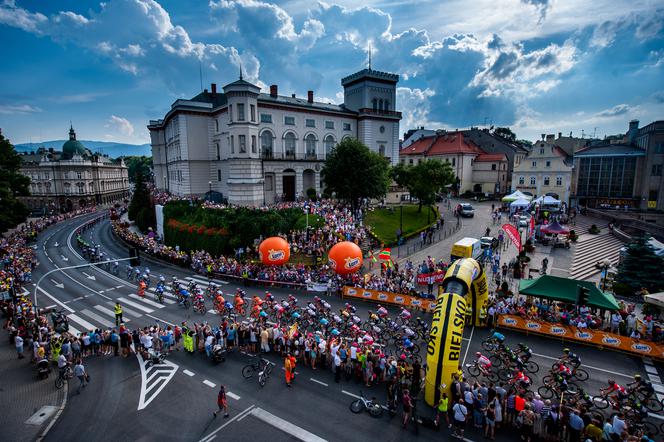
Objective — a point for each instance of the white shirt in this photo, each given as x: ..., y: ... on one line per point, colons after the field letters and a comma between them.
x: 208, y: 340
x: 62, y: 361
x: 460, y: 412
x: 18, y: 341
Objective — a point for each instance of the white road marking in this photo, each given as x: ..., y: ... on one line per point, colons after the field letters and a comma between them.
x: 110, y: 313
x: 188, y: 373
x: 243, y: 413
x: 232, y: 395
x: 285, y: 426
x: 658, y: 388
x: 209, y: 384
x: 57, y: 284
x: 147, y: 301
x: 109, y: 289
x: 472, y: 330
x: 126, y: 311
x: 56, y: 300
x: 89, y: 276
x: 119, y: 286
x: 161, y: 320
x: 650, y: 369
x: 654, y: 379
x: 358, y: 397
x: 82, y: 322
x: 74, y: 331
x: 201, y: 280
x: 97, y: 318
x: 161, y: 375
x: 318, y: 382
x: 588, y: 366
x: 133, y: 304
x: 50, y: 307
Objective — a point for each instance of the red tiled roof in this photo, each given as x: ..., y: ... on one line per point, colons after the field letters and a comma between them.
x: 488, y: 157
x: 444, y: 144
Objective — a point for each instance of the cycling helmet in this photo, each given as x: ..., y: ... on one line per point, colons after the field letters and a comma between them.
x: 316, y: 298
x: 296, y: 315
x: 637, y: 377
x: 263, y: 314
x: 610, y: 381
x: 566, y: 350
x: 407, y: 343
x: 478, y: 354
x: 335, y: 332
x: 402, y: 357
x: 324, y: 321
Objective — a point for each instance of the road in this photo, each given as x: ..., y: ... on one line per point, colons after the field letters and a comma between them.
x: 175, y: 402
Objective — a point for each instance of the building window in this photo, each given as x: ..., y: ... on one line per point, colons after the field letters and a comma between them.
x: 266, y: 118
x: 289, y: 121
x: 218, y: 174
x: 652, y: 195
x: 534, y: 164
x: 230, y: 112
x: 242, y: 143
x: 375, y: 104
x: 410, y: 161
x: 216, y: 126
x: 493, y: 167
x: 453, y: 162
x: 542, y: 151
x: 533, y: 181
x: 559, y: 181
x: 289, y: 145
x: 216, y: 146
x: 329, y: 125
x: 252, y: 112
x: 78, y: 175
x: 347, y: 126
x: 240, y: 112
x: 380, y: 105
x: 310, y: 143
x: 387, y: 105
x: 232, y: 144
x: 329, y: 144
x: 656, y: 170
x: 659, y: 148
x: 266, y: 144
x: 381, y: 150
x: 309, y: 122
x: 269, y: 183
x: 253, y: 144
x: 547, y: 180
x: 548, y: 164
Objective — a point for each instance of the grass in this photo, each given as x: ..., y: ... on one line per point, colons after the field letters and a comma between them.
x: 385, y: 222
x: 315, y: 221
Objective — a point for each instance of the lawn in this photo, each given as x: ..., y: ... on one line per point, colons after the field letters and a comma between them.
x: 384, y: 223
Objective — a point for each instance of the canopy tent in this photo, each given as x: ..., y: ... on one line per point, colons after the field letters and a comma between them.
x: 656, y: 299
x: 517, y: 195
x: 547, y: 200
x: 520, y: 203
x: 566, y: 290
x: 554, y: 229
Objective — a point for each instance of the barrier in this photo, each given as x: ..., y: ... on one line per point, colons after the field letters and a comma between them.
x: 430, y: 278
x: 610, y: 341
x: 389, y: 298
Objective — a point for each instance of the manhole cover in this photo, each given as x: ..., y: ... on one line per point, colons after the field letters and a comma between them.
x: 42, y: 415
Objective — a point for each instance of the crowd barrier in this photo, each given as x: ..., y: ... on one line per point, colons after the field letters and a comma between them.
x: 407, y: 301
x: 610, y: 341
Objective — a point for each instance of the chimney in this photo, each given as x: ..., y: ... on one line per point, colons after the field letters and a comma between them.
x: 293, y: 95
x: 310, y: 96
x: 543, y: 135
x: 213, y: 86
x: 560, y: 134
x: 550, y: 138
x: 274, y: 91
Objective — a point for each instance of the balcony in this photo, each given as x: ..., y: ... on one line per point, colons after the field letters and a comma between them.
x: 292, y: 156
x: 380, y: 113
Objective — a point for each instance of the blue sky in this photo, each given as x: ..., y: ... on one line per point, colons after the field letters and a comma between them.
x: 539, y: 66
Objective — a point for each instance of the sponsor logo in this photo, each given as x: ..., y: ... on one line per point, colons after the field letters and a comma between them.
x: 382, y: 296
x: 415, y: 302
x: 555, y: 330
x: 399, y: 299
x: 584, y: 335
x: 610, y: 340
x: 509, y: 321
x: 276, y: 255
x: 533, y: 326
x: 332, y: 263
x: 352, y: 292
x: 367, y: 294
x: 644, y: 348
x: 351, y: 263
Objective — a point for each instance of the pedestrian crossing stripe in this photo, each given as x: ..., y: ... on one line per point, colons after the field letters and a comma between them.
x: 135, y: 305
x: 206, y: 282
x: 126, y: 311
x: 82, y: 322
x: 73, y: 330
x: 146, y: 301
x: 110, y: 313
x: 97, y: 318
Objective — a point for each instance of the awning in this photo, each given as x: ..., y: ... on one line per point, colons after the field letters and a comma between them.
x: 554, y: 228
x: 566, y: 290
x: 655, y: 299
x: 515, y: 196
x: 521, y: 202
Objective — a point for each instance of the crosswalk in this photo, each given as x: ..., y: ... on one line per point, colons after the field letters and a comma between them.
x: 102, y: 316
x: 589, y: 250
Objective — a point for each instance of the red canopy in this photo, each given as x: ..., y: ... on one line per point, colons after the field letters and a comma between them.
x: 554, y: 228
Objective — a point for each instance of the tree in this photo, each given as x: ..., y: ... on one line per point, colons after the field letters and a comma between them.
x: 640, y: 267
x: 12, y: 185
x: 354, y: 172
x: 525, y: 143
x: 140, y: 164
x: 506, y: 133
x: 424, y: 180
x: 141, y: 209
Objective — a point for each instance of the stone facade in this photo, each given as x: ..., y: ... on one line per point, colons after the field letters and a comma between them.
x: 547, y: 170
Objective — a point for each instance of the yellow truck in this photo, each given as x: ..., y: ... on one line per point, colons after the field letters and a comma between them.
x: 466, y: 248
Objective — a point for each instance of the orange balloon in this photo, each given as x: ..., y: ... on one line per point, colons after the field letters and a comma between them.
x: 345, y: 257
x: 274, y: 251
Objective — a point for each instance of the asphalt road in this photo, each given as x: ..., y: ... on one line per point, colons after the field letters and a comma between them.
x: 182, y: 395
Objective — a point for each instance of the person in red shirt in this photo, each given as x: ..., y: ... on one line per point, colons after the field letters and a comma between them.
x: 221, y: 402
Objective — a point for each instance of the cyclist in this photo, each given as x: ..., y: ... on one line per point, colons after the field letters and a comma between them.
x: 483, y: 363
x: 563, y: 370
x: 116, y: 268
x: 141, y: 288
x: 199, y: 300
x: 184, y: 296
x: 522, y: 379
x: 620, y: 392
x: 404, y: 314
x: 130, y: 271
x: 497, y: 337
x: 382, y: 311
x: 641, y: 386
x: 137, y: 273
x: 525, y: 352
x: 570, y: 357
x: 239, y: 302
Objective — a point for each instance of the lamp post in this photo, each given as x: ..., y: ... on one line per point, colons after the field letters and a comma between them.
x: 604, y: 265
x: 164, y: 182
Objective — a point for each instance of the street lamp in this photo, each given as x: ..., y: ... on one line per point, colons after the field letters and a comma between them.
x: 210, y: 191
x: 164, y: 182
x: 604, y: 265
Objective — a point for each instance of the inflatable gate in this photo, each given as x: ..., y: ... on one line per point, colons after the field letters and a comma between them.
x: 464, y: 287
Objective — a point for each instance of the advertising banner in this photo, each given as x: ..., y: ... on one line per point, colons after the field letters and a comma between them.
x: 595, y: 337
x: 389, y: 298
x: 513, y: 235
x: 430, y: 278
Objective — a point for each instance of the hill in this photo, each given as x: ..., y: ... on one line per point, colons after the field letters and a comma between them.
x: 112, y: 149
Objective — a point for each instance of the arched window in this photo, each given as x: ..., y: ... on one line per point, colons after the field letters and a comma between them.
x: 266, y: 144
x: 380, y: 104
x: 289, y: 144
x: 387, y: 105
x: 375, y: 104
x: 310, y: 143
x: 329, y: 144
x: 381, y: 150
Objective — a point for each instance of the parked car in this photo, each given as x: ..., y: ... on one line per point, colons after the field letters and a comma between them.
x: 489, y: 242
x: 467, y: 210
x: 524, y: 221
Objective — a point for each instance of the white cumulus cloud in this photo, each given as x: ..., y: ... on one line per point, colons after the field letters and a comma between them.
x: 121, y: 125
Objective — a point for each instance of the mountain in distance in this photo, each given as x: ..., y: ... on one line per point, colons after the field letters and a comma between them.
x: 112, y: 149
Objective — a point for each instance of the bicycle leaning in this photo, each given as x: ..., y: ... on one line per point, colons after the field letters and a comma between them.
x: 64, y: 375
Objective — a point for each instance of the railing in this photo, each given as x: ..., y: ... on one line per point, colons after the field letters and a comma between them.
x: 293, y: 156
x: 384, y: 113
x: 628, y: 224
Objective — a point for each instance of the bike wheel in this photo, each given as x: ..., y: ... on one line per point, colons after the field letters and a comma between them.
x: 532, y: 367
x: 417, y: 358
x: 357, y: 406
x: 261, y: 379
x: 652, y: 404
x: 376, y: 410
x: 504, y: 374
x: 600, y: 402
x: 546, y: 379
x: 59, y: 382
x: 248, y: 371
x: 474, y: 371
x: 648, y: 428
x: 580, y: 374
x: 488, y: 345
x: 572, y: 388
x: 416, y: 348
x: 496, y: 361
x: 545, y: 392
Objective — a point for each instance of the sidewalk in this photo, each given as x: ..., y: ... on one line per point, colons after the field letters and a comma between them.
x: 24, y: 396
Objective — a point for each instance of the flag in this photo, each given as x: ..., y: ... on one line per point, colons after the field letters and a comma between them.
x: 385, y: 254
x: 292, y: 331
x: 390, y: 264
x: 513, y: 235
x: 373, y: 257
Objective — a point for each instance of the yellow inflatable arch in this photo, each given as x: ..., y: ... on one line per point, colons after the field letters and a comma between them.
x: 464, y: 287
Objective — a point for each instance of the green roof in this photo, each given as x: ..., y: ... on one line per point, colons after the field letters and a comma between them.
x: 566, y: 289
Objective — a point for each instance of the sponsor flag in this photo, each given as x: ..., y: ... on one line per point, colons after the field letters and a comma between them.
x: 292, y: 331
x: 385, y: 254
x: 532, y: 226
x: 513, y: 235
x: 373, y: 257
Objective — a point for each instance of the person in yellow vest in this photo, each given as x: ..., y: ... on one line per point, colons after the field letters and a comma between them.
x: 469, y: 316
x: 118, y: 314
x: 483, y: 314
x: 442, y: 409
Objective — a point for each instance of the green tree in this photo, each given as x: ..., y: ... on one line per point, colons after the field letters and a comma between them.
x: 424, y: 180
x: 506, y: 133
x: 354, y: 172
x: 141, y: 209
x: 640, y: 267
x: 136, y: 164
x: 12, y: 185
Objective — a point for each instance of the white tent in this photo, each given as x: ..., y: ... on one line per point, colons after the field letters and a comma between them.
x: 655, y: 299
x: 519, y: 204
x: 547, y: 200
x: 516, y: 195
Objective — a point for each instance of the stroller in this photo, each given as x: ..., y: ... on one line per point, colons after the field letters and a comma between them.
x: 154, y: 358
x: 43, y: 369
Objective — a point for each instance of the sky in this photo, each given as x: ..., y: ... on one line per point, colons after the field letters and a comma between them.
x: 538, y: 66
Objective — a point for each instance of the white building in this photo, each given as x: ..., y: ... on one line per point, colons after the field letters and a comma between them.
x: 255, y: 148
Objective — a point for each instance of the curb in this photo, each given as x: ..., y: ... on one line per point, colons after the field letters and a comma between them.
x: 57, y: 415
